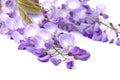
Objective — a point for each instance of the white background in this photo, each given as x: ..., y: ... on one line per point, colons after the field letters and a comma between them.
x: 104, y: 63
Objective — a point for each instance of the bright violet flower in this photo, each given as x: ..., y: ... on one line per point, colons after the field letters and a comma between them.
x: 79, y: 54
x: 70, y: 64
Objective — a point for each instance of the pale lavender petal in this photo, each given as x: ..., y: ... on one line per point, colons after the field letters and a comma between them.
x: 45, y: 34
x: 104, y: 37
x: 17, y: 36
x: 73, y: 4
x: 66, y: 40
x: 51, y: 27
x: 31, y: 30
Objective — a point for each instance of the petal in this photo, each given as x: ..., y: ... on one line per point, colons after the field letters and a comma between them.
x: 44, y: 58
x: 82, y: 57
x: 70, y: 64
x: 104, y: 37
x: 31, y: 30
x: 73, y: 4
x: 48, y: 45
x: 74, y: 51
x: 55, y: 61
x: 66, y: 40
x: 118, y: 42
x: 39, y: 52
x: 51, y: 27
x: 45, y: 35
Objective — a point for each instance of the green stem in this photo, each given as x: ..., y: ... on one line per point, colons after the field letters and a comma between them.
x: 115, y: 29
x: 59, y: 53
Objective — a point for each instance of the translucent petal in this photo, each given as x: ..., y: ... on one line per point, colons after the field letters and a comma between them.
x: 31, y: 30
x: 66, y: 40
x: 73, y: 4
x: 51, y: 27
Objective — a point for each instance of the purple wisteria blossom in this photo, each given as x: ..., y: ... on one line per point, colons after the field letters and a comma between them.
x: 49, y: 36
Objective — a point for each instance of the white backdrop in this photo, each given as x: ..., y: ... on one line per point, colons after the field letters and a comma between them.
x: 103, y: 65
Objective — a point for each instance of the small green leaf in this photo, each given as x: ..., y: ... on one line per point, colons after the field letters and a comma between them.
x: 24, y: 16
x: 0, y: 6
x: 36, y: 1
x: 30, y: 6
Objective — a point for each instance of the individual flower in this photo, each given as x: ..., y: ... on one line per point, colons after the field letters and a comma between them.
x: 44, y: 58
x: 111, y: 41
x: 51, y: 27
x: 118, y: 42
x: 72, y: 4
x: 79, y: 54
x: 31, y: 30
x: 3, y: 29
x: 55, y: 61
x: 17, y: 36
x: 27, y: 44
x: 39, y: 52
x: 104, y: 37
x: 66, y: 40
x: 48, y: 45
x: 70, y: 64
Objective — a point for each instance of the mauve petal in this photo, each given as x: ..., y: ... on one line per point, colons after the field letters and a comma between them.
x: 118, y: 42
x: 104, y: 37
x: 44, y: 58
x: 111, y: 41
x: 82, y: 57
x: 48, y: 45
x: 39, y: 52
x: 21, y: 47
x: 20, y: 30
x: 70, y: 64
x: 74, y: 51
x: 55, y: 61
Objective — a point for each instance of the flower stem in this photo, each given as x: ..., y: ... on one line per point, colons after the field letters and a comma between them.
x: 59, y: 53
x: 109, y: 27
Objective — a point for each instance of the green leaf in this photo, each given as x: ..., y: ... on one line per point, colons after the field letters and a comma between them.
x: 29, y: 6
x: 24, y: 16
x: 36, y: 1
x: 0, y: 6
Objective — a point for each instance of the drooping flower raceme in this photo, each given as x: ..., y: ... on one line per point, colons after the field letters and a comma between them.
x: 45, y: 31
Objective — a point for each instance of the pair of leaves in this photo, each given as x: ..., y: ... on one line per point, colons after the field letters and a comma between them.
x: 28, y: 7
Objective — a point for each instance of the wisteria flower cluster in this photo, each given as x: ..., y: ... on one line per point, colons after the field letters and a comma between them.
x: 44, y: 29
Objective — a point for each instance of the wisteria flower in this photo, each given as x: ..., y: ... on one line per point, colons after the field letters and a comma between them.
x: 66, y: 40
x: 45, y: 29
